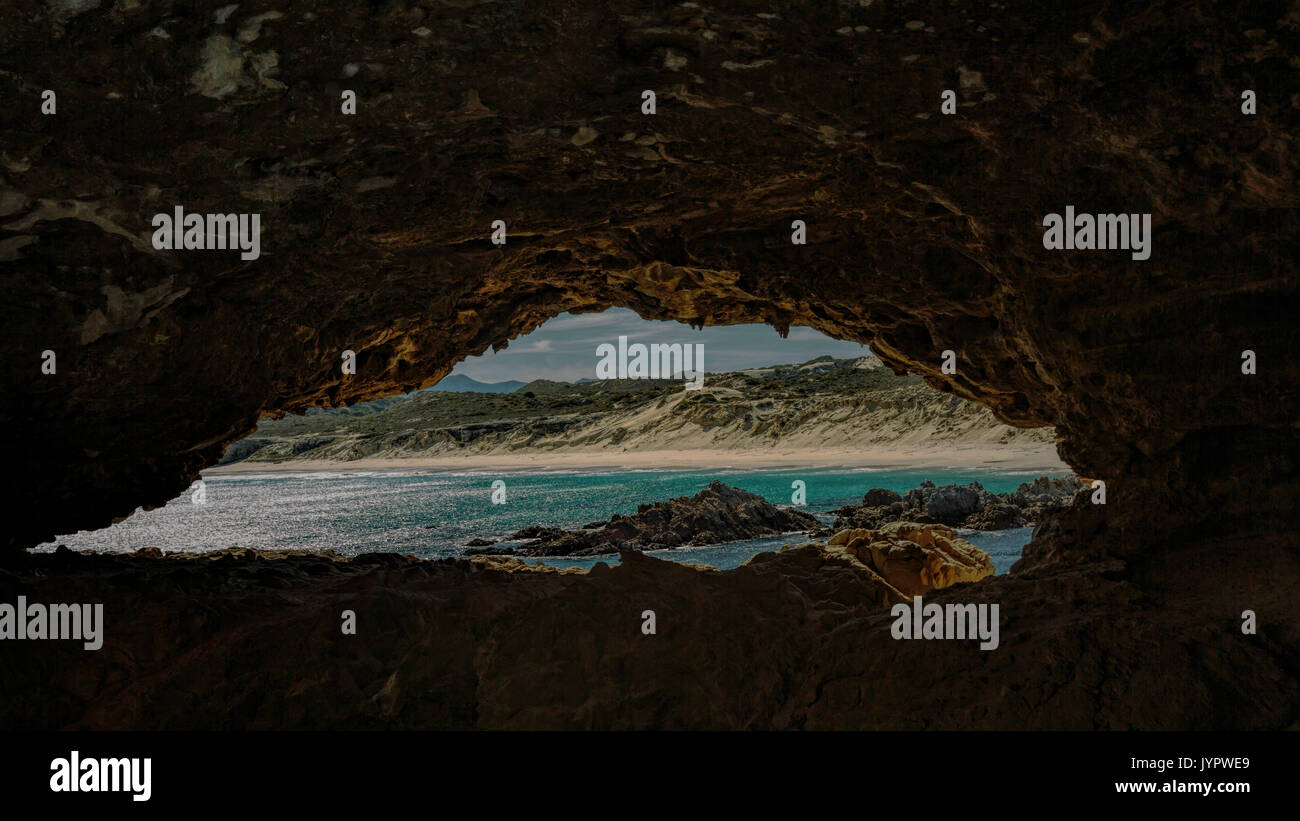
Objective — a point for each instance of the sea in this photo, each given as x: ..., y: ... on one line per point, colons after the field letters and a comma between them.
x: 433, y: 513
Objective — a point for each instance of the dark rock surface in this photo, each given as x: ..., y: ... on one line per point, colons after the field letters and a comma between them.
x: 924, y: 230
x: 924, y: 235
x: 879, y: 497
x: 961, y: 505
x: 795, y: 639
x: 485, y: 550
x: 717, y: 514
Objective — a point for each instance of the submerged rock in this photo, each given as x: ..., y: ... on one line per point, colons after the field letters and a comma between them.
x: 478, y: 550
x: 537, y: 532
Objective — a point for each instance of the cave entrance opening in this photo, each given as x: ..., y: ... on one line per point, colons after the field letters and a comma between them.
x: 550, y: 448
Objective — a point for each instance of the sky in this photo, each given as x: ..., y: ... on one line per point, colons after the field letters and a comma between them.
x: 564, y: 348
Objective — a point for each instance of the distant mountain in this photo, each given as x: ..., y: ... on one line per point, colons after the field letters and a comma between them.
x: 456, y: 383
x: 545, y: 386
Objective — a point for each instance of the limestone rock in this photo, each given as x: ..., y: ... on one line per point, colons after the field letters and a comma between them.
x: 916, y: 558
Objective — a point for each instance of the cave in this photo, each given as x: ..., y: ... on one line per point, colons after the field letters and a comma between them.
x: 924, y: 234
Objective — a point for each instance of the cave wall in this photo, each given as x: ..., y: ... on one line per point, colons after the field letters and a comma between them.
x: 924, y: 230
x: 792, y: 640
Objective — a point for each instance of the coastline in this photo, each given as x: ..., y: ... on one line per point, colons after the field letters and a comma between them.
x: 976, y: 457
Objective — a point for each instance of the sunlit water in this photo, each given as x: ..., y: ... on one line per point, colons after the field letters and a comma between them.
x: 431, y: 514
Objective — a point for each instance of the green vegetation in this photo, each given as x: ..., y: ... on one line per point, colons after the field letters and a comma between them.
x: 542, y: 407
x: 433, y: 409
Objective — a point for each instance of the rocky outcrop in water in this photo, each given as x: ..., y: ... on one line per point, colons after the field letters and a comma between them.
x: 717, y: 514
x: 1042, y: 497
x: 960, y: 505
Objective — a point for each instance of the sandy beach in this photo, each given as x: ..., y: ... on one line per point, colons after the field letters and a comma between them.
x: 1021, y: 459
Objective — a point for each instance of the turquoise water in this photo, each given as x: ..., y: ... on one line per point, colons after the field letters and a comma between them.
x: 354, y: 512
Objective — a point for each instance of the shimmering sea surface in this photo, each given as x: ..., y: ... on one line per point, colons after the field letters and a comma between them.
x: 431, y: 514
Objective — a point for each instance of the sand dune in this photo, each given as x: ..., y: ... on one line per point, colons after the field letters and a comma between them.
x: 799, y: 415
x: 1011, y: 458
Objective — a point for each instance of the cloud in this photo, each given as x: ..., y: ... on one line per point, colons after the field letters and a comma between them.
x: 564, y: 348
